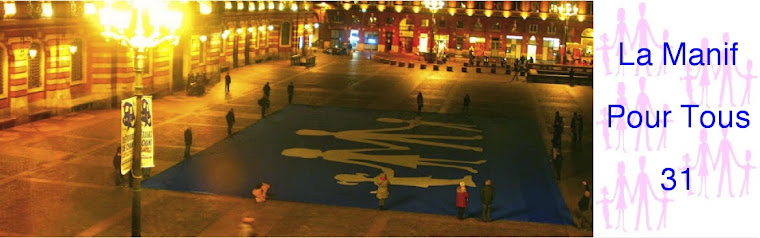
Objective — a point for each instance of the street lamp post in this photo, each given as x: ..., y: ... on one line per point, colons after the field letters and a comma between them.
x: 434, y: 6
x: 139, y: 25
x: 566, y: 12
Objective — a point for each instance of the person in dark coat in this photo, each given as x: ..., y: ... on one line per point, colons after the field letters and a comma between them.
x: 580, y: 127
x: 227, y: 81
x: 420, y: 103
x: 119, y: 178
x: 266, y: 90
x: 584, y: 205
x: 462, y: 196
x: 230, y: 121
x: 264, y: 104
x: 574, y: 126
x: 382, y: 190
x: 558, y: 165
x: 518, y: 68
x: 486, y: 197
x: 188, y: 141
x: 466, y: 102
x: 291, y: 88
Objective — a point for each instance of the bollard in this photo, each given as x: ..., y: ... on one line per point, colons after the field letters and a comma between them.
x: 449, y: 68
x: 464, y: 69
x: 435, y: 67
x: 478, y: 70
x: 410, y: 65
x: 423, y: 66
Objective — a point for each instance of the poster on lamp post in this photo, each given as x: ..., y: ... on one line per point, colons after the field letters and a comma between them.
x: 127, y: 133
x: 128, y: 117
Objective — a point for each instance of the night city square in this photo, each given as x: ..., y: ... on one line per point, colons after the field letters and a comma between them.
x: 296, y: 118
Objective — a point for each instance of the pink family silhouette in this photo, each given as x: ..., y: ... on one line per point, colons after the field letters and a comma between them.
x: 643, y: 105
x: 642, y: 31
x: 620, y: 35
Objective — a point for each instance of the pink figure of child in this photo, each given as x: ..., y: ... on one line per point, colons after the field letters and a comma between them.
x: 664, y: 213
x: 605, y: 207
x: 605, y: 53
x: 747, y: 77
x: 664, y: 134
x: 701, y: 163
x: 642, y: 31
x: 689, y: 88
x: 662, y: 69
x: 620, y: 34
x: 747, y: 167
x: 686, y: 165
x: 621, y: 187
x: 621, y: 123
x: 605, y: 129
x: 724, y: 150
x: 704, y: 77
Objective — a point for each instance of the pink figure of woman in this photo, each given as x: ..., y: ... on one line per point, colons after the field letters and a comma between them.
x: 605, y: 207
x: 644, y: 185
x: 620, y: 34
x: 643, y: 105
x: 621, y: 123
x: 748, y: 77
x: 664, y: 134
x: 662, y: 69
x: 686, y: 166
x: 664, y: 213
x: 605, y: 53
x: 724, y: 150
x: 701, y: 163
x: 642, y: 31
x: 726, y: 69
x: 621, y: 188
x: 704, y: 78
x: 747, y: 167
x: 688, y: 77
x: 605, y: 129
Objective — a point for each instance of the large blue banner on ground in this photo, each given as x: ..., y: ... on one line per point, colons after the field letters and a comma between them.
x: 333, y: 156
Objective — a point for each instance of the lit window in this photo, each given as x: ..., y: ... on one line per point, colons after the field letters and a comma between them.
x: 552, y: 29
x: 373, y: 20
x: 425, y: 23
x: 34, y: 80
x: 77, y: 62
x: 533, y: 28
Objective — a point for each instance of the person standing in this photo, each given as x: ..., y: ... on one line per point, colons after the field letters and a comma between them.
x: 230, y: 121
x: 291, y: 88
x: 266, y: 90
x: 584, y: 205
x: 188, y: 141
x: 264, y: 104
x: 580, y: 127
x: 466, y: 102
x: 420, y: 103
x: 119, y: 178
x: 574, y: 126
x: 246, y: 227
x: 382, y: 190
x: 486, y: 197
x: 227, y: 81
x: 518, y: 68
x: 558, y: 164
x: 462, y: 197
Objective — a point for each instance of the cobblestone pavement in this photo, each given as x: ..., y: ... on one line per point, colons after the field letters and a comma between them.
x: 56, y: 174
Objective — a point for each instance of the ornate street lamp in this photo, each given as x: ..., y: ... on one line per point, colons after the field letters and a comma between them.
x: 565, y: 12
x: 434, y: 6
x: 139, y: 25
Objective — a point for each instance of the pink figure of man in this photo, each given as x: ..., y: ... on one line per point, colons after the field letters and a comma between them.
x: 605, y: 128
x: 605, y: 49
x: 724, y: 150
x: 643, y: 105
x: 645, y: 186
x: 664, y: 213
x: 689, y: 88
x: 620, y: 35
x: 664, y: 134
x: 620, y: 188
x: 605, y: 207
x: 686, y: 166
x: 642, y: 31
x: 726, y: 69
x: 701, y: 163
x: 748, y: 77
x: 621, y: 123
x: 747, y: 167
